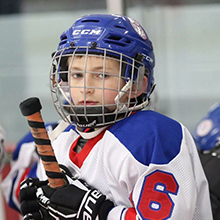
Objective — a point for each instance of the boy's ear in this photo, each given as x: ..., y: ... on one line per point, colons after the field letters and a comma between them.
x: 142, y: 89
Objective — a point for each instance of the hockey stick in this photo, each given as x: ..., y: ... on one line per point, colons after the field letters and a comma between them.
x: 30, y: 108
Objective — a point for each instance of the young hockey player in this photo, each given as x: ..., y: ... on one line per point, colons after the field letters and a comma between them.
x: 120, y: 162
x: 207, y: 138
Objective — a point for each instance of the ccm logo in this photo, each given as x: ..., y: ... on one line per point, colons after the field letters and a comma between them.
x: 87, y: 32
x: 149, y: 59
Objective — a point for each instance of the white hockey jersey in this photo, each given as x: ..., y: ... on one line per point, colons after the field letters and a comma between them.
x: 147, y: 164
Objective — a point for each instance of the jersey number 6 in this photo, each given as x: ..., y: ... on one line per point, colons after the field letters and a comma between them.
x: 155, y: 202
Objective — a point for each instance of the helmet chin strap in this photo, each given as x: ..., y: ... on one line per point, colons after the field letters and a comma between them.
x: 63, y: 93
x: 91, y: 117
x: 121, y: 107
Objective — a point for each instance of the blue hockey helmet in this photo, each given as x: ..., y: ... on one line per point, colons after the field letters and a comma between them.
x: 207, y: 131
x: 115, y: 36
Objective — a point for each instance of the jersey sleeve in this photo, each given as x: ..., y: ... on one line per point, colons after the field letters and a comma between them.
x: 172, y: 189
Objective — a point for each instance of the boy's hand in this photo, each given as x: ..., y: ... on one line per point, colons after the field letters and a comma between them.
x: 29, y: 204
x: 75, y: 201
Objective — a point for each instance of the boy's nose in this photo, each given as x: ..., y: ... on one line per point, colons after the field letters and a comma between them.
x: 88, y: 85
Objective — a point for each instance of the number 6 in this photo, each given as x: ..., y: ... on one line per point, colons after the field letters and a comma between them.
x: 155, y: 202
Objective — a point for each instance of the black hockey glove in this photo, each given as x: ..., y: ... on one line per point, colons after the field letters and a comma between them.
x: 74, y: 201
x: 29, y: 204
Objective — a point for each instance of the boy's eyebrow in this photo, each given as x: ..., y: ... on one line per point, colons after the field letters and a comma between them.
x: 94, y: 69
x: 76, y: 68
x: 98, y: 68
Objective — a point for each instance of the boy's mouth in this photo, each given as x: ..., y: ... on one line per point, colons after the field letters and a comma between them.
x: 88, y: 102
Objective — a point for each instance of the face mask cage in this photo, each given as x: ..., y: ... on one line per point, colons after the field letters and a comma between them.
x: 96, y: 87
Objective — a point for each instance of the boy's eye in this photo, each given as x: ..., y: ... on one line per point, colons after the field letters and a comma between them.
x: 103, y: 75
x: 77, y: 75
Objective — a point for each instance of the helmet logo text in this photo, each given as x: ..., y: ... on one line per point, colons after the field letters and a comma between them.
x: 148, y: 58
x: 86, y: 32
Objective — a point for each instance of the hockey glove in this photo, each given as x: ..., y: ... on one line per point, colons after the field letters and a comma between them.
x: 75, y: 201
x: 29, y: 204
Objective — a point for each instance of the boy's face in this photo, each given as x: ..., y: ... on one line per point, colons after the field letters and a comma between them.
x: 89, y: 86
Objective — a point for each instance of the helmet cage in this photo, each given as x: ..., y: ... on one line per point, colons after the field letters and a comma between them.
x: 131, y: 71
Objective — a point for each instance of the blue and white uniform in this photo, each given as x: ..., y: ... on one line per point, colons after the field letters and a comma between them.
x: 151, y: 171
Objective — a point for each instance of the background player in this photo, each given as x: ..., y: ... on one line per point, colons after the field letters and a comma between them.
x: 207, y: 138
x: 123, y: 163
x: 24, y: 163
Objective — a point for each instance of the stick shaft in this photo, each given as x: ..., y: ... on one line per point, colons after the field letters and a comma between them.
x: 44, y: 148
